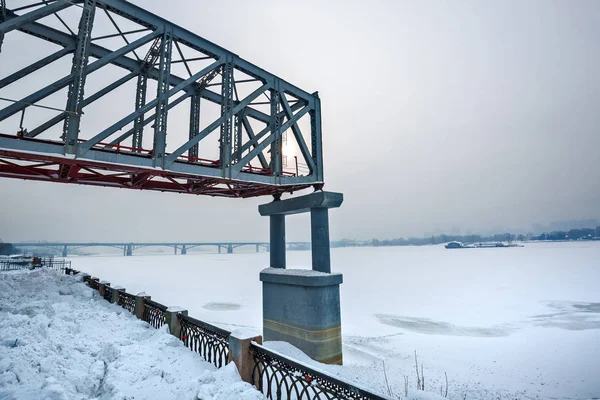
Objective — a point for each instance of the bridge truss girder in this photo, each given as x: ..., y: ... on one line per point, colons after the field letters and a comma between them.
x: 104, y: 157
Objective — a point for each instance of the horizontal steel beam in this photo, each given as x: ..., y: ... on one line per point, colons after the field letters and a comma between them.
x: 43, y: 150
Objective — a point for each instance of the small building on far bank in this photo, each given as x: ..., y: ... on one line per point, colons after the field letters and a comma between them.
x: 6, y: 249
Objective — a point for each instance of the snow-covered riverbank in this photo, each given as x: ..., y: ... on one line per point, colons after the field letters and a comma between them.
x: 60, y: 340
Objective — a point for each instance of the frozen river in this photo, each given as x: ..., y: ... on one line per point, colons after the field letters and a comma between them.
x: 513, y: 323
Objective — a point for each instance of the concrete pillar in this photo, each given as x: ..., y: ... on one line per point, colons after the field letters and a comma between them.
x: 64, y: 252
x: 257, y: 249
x: 219, y: 246
x: 175, y: 250
x: 102, y: 287
x: 183, y: 250
x: 319, y: 234
x: 241, y: 356
x: 303, y: 308
x: 277, y: 238
x: 115, y: 294
x: 229, y: 248
x: 138, y: 311
x: 129, y: 250
x: 173, y: 322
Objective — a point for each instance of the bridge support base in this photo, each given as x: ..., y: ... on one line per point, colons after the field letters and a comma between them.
x: 64, y: 252
x: 302, y: 307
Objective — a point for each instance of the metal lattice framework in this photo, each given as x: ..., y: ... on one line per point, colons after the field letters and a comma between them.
x: 254, y: 108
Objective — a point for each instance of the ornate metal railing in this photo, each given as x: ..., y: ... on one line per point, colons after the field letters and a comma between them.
x: 127, y: 301
x: 209, y: 341
x: 154, y: 313
x: 279, y: 377
x: 10, y: 264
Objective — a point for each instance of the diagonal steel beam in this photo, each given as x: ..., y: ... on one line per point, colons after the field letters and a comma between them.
x: 260, y: 148
x: 298, y: 135
x: 254, y: 141
x: 251, y: 136
x: 120, y: 31
x: 34, y: 67
x: 85, y: 147
x: 149, y: 119
x: 63, y: 39
x: 99, y: 94
x: 102, y: 92
x: 206, y: 131
x: 19, y: 21
x: 144, y: 17
x: 62, y: 21
x: 64, y: 82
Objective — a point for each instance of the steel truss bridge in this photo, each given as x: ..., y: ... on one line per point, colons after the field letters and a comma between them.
x: 128, y: 248
x: 112, y: 76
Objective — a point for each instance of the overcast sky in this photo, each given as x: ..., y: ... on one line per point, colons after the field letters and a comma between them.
x: 436, y: 114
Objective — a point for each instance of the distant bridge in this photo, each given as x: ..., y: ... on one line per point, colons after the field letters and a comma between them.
x: 183, y: 247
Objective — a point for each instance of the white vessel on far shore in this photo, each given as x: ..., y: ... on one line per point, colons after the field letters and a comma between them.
x: 460, y: 245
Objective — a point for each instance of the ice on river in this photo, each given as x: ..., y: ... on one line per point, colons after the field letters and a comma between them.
x: 509, y: 323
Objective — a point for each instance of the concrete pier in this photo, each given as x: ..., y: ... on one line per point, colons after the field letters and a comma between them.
x: 302, y: 307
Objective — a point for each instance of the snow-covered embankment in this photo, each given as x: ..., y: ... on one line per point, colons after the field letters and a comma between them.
x: 60, y: 340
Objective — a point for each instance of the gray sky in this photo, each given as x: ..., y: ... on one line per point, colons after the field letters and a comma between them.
x: 474, y: 114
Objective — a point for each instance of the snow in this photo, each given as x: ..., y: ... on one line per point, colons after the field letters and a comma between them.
x: 61, y: 340
x: 294, y: 272
x: 502, y: 323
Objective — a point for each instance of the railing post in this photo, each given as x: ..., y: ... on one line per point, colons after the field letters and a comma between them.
x: 241, y: 355
x: 93, y: 278
x: 102, y: 287
x: 115, y: 294
x: 172, y: 320
x: 139, y: 304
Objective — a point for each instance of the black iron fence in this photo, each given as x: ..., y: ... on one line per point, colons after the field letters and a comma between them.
x: 11, y: 264
x: 127, y: 301
x: 279, y: 377
x: 209, y: 341
x: 154, y: 313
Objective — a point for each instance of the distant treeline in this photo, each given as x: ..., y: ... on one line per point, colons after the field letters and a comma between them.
x: 573, y: 234
x: 505, y: 237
